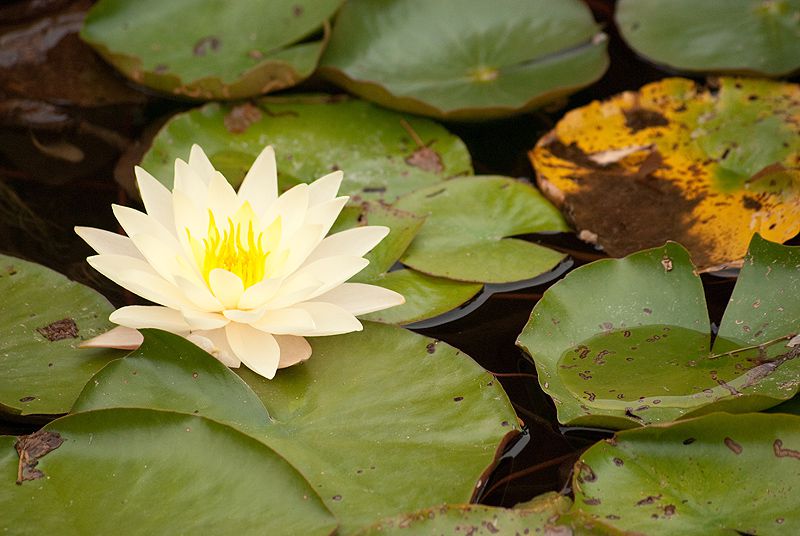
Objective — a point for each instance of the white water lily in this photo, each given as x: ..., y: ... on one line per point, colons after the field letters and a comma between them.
x: 245, y: 276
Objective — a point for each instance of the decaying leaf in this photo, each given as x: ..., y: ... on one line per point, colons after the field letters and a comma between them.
x: 32, y: 447
x: 705, y: 166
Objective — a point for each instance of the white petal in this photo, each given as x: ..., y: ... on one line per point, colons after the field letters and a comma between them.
x: 201, y: 320
x: 257, y: 295
x: 359, y: 299
x: 163, y: 258
x: 245, y: 317
x: 354, y: 242
x: 189, y: 182
x: 326, y: 213
x: 150, y: 316
x: 215, y: 342
x: 293, y: 350
x: 260, y: 185
x: 105, y: 242
x: 329, y: 319
x: 325, y: 188
x: 138, y: 277
x: 304, y: 241
x: 135, y: 223
x: 199, y: 295
x: 259, y: 351
x: 156, y: 197
x: 226, y: 286
x: 296, y: 289
x: 332, y: 271
x: 120, y: 337
x: 201, y: 164
x: 188, y: 219
x: 288, y: 321
x: 222, y: 198
x: 291, y: 208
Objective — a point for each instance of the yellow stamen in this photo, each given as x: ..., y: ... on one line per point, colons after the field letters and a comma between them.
x: 237, y: 249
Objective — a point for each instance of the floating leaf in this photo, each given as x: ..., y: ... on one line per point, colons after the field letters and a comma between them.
x: 253, y: 48
x: 705, y: 167
x: 426, y: 296
x: 156, y: 472
x: 169, y: 372
x: 752, y: 36
x: 360, y: 420
x: 474, y: 60
x: 639, y: 352
x: 313, y: 136
x: 45, y: 317
x: 715, y: 475
x: 467, y: 223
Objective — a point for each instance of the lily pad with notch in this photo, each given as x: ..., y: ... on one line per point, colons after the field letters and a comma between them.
x: 255, y: 47
x: 383, y: 154
x: 45, y: 317
x: 468, y: 222
x: 479, y: 60
x: 640, y: 352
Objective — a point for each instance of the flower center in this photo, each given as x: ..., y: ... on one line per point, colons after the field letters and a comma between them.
x: 237, y: 249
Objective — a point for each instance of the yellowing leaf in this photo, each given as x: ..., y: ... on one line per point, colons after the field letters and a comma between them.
x: 706, y: 167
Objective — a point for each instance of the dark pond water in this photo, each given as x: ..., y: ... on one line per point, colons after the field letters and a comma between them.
x: 65, y: 121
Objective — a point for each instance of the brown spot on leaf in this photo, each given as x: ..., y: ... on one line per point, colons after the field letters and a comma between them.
x: 297, y: 10
x: 27, y: 399
x: 735, y: 447
x: 205, y: 45
x: 66, y: 328
x: 669, y: 510
x: 666, y: 262
x: 585, y: 473
x: 781, y: 452
x: 426, y: 159
x: 241, y: 117
x: 637, y: 119
x: 30, y: 449
x: 650, y: 499
x: 431, y: 347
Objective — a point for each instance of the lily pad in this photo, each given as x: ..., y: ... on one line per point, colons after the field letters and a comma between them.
x: 426, y: 296
x: 360, y: 420
x: 706, y: 167
x: 151, y: 472
x: 640, y: 353
x: 477, y: 60
x: 312, y: 136
x: 715, y: 475
x: 746, y: 36
x: 468, y: 222
x: 182, y: 375
x: 254, y: 47
x: 45, y: 317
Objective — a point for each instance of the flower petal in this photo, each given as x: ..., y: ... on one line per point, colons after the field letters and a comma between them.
x: 156, y: 197
x: 139, y: 277
x: 291, y: 208
x: 332, y: 271
x: 215, y: 342
x: 326, y: 213
x: 199, y: 295
x: 135, y: 223
x: 163, y: 259
x: 200, y: 163
x: 226, y: 286
x: 201, y: 320
x: 189, y: 182
x: 259, y: 351
x: 288, y: 321
x: 120, y: 337
x: 359, y: 298
x: 150, y: 316
x: 260, y: 185
x: 325, y: 188
x: 257, y: 295
x: 293, y: 350
x: 354, y: 242
x: 304, y: 241
x: 105, y: 242
x: 222, y: 198
x: 329, y: 319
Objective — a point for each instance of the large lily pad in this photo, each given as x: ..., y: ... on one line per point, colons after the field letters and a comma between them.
x: 754, y: 36
x: 360, y: 420
x: 44, y: 318
x: 468, y: 222
x: 426, y: 296
x: 151, y: 472
x: 675, y: 161
x: 640, y: 352
x: 313, y: 136
x: 204, y: 49
x: 715, y: 475
x: 474, y: 60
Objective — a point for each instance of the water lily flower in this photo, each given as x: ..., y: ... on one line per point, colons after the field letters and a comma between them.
x: 244, y: 275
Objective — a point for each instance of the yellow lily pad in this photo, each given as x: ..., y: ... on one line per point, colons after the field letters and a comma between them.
x: 705, y: 166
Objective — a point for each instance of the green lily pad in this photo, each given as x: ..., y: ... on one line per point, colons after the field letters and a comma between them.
x: 175, y: 373
x: 361, y: 422
x: 475, y: 61
x: 153, y: 472
x: 640, y: 352
x: 202, y: 49
x: 715, y: 475
x: 313, y: 136
x: 467, y: 223
x: 426, y: 296
x: 45, y: 317
x: 744, y: 36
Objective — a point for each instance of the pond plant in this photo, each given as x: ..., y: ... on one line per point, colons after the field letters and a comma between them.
x: 378, y: 267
